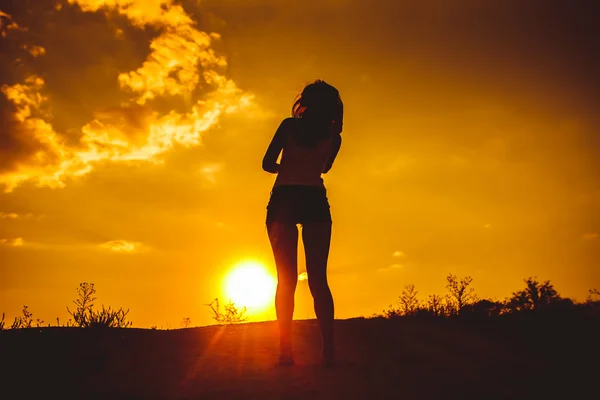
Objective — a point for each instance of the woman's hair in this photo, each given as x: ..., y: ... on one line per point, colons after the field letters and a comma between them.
x: 320, y: 107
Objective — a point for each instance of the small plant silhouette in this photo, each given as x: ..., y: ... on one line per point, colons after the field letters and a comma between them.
x: 230, y: 315
x: 460, y: 293
x: 109, y: 318
x: 435, y: 305
x: 84, y: 302
x: 23, y: 322
x: 85, y: 316
x: 408, y: 303
x: 2, y: 323
x: 186, y: 322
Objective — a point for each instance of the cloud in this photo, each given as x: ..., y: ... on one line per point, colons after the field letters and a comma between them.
x: 16, y: 242
x: 180, y: 65
x: 160, y: 13
x: 210, y: 172
x: 122, y: 246
x: 117, y: 246
x: 391, y: 268
x: 7, y: 24
x: 4, y: 215
x: 35, y: 51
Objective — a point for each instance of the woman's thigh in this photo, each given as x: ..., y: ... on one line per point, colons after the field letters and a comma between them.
x: 284, y: 242
x: 316, y: 237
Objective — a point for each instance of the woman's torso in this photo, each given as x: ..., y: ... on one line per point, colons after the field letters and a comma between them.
x: 302, y: 164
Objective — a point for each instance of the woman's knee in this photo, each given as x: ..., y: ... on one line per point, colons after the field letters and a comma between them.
x: 287, y: 284
x: 318, y: 287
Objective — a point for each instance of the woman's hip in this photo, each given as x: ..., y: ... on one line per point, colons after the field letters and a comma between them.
x: 298, y: 204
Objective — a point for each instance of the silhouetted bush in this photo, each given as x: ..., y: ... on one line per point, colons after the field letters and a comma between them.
x: 408, y: 304
x: 483, y: 308
x: 536, y: 299
x: 84, y: 303
x: 461, y: 294
x: 436, y: 306
x: 535, y: 296
x: 85, y: 316
x: 230, y: 315
x: 23, y: 322
x: 592, y: 303
x: 109, y: 318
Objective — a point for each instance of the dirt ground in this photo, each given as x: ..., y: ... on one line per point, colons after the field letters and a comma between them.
x: 377, y: 359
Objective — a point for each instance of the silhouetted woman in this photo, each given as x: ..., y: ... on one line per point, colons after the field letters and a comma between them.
x: 310, y: 141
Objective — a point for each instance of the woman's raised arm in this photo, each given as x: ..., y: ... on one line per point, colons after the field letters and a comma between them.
x: 269, y: 162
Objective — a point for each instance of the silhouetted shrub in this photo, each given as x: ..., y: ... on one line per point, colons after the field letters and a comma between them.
x: 85, y: 316
x: 592, y: 303
x: 230, y: 315
x: 536, y: 299
x: 109, y: 318
x: 84, y: 303
x: 391, y: 312
x: 23, y: 322
x: 436, y: 306
x: 483, y: 308
x: 461, y: 294
x: 535, y: 296
x: 2, y: 323
x: 408, y: 303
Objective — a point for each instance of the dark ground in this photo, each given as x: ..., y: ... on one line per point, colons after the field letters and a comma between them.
x: 403, y: 358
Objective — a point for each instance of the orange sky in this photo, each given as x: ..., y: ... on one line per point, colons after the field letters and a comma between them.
x: 132, y: 134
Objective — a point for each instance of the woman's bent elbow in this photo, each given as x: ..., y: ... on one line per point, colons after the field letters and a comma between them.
x: 269, y: 167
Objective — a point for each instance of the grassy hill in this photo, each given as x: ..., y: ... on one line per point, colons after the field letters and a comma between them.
x: 402, y: 358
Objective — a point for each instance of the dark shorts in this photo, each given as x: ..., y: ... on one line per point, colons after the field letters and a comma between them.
x: 297, y: 204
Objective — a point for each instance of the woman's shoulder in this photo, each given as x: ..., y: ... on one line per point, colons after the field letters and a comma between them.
x: 290, y: 125
x: 290, y: 122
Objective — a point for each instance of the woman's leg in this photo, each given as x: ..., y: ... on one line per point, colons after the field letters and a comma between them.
x: 284, y: 242
x: 317, y: 237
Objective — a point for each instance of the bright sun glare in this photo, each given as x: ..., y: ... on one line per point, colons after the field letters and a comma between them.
x: 249, y: 284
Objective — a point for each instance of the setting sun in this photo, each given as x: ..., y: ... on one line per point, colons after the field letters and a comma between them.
x: 249, y: 284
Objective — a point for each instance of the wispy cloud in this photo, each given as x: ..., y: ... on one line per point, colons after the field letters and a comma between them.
x: 4, y: 215
x: 123, y: 246
x: 390, y: 268
x: 16, y: 242
x: 210, y: 172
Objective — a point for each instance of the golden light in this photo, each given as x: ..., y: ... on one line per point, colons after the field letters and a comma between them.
x: 250, y: 285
